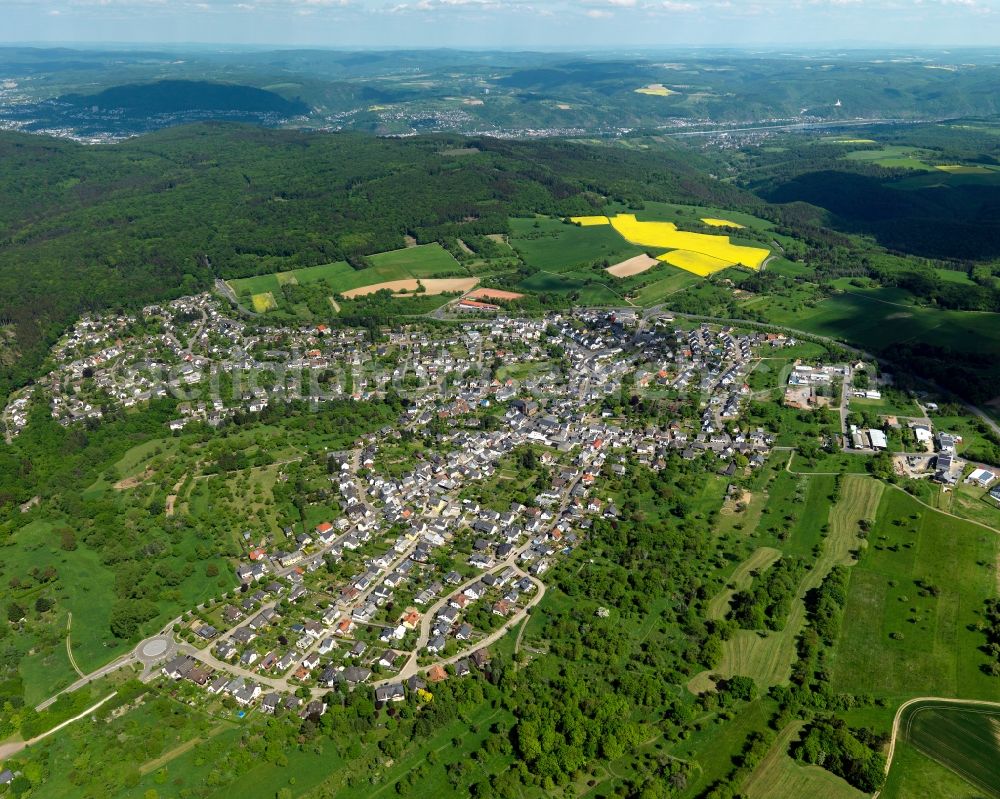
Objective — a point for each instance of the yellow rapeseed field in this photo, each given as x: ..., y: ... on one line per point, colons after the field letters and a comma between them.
x: 656, y: 89
x: 962, y: 169
x: 589, y: 221
x: 722, y: 223
x: 665, y: 235
x: 696, y: 262
x: 264, y: 302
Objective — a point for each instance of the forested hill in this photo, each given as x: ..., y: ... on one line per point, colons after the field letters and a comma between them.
x: 182, y: 96
x: 85, y: 228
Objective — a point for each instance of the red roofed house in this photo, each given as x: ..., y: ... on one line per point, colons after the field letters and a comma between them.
x: 436, y: 673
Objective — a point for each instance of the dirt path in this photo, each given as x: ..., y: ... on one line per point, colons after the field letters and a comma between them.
x: 520, y: 635
x: 899, y: 716
x: 10, y: 749
x: 152, y: 765
x: 69, y: 649
x: 132, y: 482
x: 172, y: 498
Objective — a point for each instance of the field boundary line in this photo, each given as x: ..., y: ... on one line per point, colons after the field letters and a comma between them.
x: 69, y: 649
x: 899, y: 713
x: 915, y: 498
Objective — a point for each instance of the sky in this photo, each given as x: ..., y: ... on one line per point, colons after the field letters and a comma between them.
x: 521, y: 24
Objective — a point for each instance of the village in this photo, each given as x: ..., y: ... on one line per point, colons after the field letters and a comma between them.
x: 920, y: 449
x: 419, y: 571
x: 436, y: 571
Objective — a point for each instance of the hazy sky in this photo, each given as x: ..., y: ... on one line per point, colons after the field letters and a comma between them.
x: 542, y: 24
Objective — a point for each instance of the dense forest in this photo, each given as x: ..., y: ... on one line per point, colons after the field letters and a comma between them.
x: 179, y: 96
x: 162, y: 215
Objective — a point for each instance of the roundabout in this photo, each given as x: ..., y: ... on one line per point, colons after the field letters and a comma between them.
x: 154, y: 649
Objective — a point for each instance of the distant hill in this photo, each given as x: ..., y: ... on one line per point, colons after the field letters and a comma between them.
x: 187, y: 96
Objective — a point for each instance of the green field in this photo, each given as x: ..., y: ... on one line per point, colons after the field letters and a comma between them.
x: 786, y: 268
x: 332, y: 273
x: 85, y: 587
x: 581, y: 288
x: 899, y: 639
x: 556, y: 246
x: 893, y: 155
x: 428, y: 260
x: 653, y: 211
x: 664, y: 285
x: 954, y: 276
x: 885, y: 407
x: 778, y: 775
x: 877, y: 319
x: 965, y: 739
x: 914, y: 776
x: 768, y: 657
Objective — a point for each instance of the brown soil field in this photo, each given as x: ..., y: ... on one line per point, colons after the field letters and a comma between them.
x: 633, y: 266
x: 431, y: 286
x: 493, y: 294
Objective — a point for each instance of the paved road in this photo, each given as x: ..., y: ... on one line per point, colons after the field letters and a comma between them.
x: 411, y: 668
x: 155, y: 650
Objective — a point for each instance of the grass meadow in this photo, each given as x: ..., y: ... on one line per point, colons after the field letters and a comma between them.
x: 780, y: 775
x: 916, y: 776
x: 879, y: 318
x: 914, y: 596
x: 965, y: 739
x: 552, y: 245
x: 428, y: 260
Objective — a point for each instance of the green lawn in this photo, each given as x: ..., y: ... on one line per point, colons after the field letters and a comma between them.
x: 937, y: 653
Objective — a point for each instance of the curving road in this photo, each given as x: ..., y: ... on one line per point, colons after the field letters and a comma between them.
x: 899, y: 716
